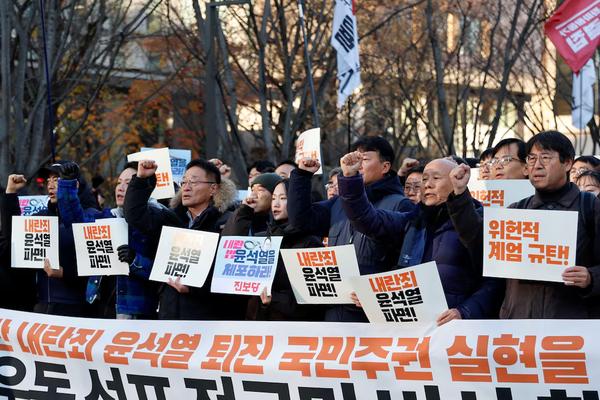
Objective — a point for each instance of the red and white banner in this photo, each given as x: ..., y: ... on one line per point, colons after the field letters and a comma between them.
x: 49, y: 357
x: 574, y: 28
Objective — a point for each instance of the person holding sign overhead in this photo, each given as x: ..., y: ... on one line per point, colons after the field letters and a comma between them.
x: 550, y: 157
x: 427, y: 234
x: 200, y: 185
x: 328, y: 219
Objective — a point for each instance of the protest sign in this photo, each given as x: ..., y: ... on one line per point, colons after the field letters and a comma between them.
x: 179, y: 159
x: 528, y: 244
x: 96, y: 246
x: 34, y: 239
x: 245, y: 265
x: 32, y: 204
x: 164, y: 177
x: 474, y: 175
x: 309, y: 145
x: 186, y: 254
x: 52, y: 357
x: 409, y: 296
x: 321, y: 275
x: 500, y: 192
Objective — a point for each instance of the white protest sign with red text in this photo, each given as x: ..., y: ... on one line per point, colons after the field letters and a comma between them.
x: 309, y: 145
x: 409, y: 296
x: 34, y: 239
x: 321, y: 275
x: 245, y: 264
x: 186, y: 254
x: 528, y: 244
x: 164, y: 176
x: 500, y: 192
x: 96, y: 246
x: 52, y: 357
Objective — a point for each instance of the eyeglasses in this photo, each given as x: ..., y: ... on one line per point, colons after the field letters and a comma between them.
x: 543, y: 158
x: 193, y: 183
x: 331, y: 186
x: 412, y: 188
x: 578, y: 171
x: 486, y: 164
x: 502, y: 161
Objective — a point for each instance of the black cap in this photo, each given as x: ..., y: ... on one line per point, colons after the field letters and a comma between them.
x: 52, y: 169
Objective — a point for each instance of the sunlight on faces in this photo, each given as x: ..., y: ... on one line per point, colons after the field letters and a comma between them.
x: 252, y: 174
x: 284, y: 170
x: 551, y: 176
x: 332, y: 187
x: 412, y: 187
x: 577, y: 168
x: 485, y: 169
x: 372, y: 168
x: 279, y: 203
x: 52, y: 187
x: 197, y: 192
x: 262, y: 197
x: 122, y: 185
x: 588, y: 184
x: 515, y: 169
x: 436, y: 184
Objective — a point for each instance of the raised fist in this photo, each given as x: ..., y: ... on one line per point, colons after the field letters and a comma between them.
x: 309, y: 164
x: 146, y: 168
x: 351, y: 163
x: 15, y: 183
x: 69, y: 170
x: 459, y: 176
x: 407, y: 164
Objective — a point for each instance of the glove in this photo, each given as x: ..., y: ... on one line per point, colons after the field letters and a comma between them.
x: 126, y: 254
x: 69, y: 170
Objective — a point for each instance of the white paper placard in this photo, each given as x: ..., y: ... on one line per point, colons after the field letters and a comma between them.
x: 474, y: 175
x: 96, y: 246
x: 179, y: 159
x: 309, y: 145
x: 186, y: 254
x: 164, y: 177
x: 500, y: 192
x: 34, y: 239
x: 528, y: 244
x: 32, y: 204
x: 245, y: 264
x: 321, y: 275
x: 409, y: 296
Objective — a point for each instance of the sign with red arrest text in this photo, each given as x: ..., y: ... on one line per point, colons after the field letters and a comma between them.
x: 500, y: 192
x: 528, y: 244
x: 52, y: 357
x: 96, y: 246
x: 309, y: 145
x: 245, y: 264
x: 184, y: 254
x: 409, y: 296
x: 164, y: 176
x: 34, y: 239
x: 321, y: 275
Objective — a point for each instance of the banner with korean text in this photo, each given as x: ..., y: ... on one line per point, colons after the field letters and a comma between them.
x: 500, y: 192
x: 164, y: 176
x: 309, y: 145
x: 51, y: 357
x: 96, y: 246
x: 245, y: 264
x: 32, y: 204
x: 528, y: 244
x: 185, y: 254
x: 409, y: 296
x: 34, y: 239
x: 321, y: 275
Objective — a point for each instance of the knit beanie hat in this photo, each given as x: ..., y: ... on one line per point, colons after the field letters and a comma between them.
x: 268, y: 181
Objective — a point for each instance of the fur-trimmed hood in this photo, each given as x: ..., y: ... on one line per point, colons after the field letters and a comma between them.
x: 223, y: 199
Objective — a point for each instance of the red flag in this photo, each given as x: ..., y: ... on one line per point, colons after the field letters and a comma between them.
x: 574, y: 28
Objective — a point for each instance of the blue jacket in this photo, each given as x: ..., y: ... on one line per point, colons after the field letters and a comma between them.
x: 328, y: 218
x: 427, y: 234
x: 135, y: 294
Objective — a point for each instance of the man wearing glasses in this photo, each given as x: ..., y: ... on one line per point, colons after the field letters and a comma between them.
x: 197, y: 210
x: 508, y: 160
x: 550, y: 157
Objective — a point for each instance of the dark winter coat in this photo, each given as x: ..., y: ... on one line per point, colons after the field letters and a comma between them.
x: 200, y: 303
x: 427, y: 234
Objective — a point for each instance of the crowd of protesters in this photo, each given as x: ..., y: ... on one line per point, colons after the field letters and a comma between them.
x: 424, y: 212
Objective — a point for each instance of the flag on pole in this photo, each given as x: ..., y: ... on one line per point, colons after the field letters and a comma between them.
x: 583, y: 95
x: 574, y: 28
x: 345, y: 41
